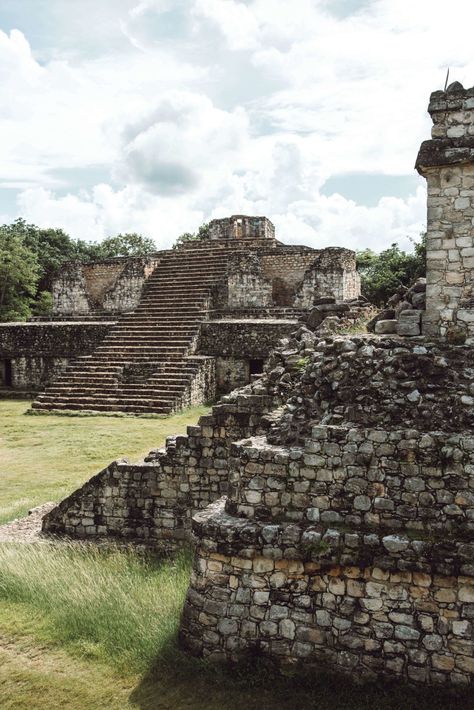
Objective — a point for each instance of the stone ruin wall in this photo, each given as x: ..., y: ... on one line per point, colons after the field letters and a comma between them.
x: 37, y: 352
x: 105, y: 287
x: 242, y: 227
x: 339, y: 554
x: 153, y: 501
x: 347, y: 546
x: 280, y: 276
x: 286, y: 271
x: 234, y: 343
x: 333, y: 273
x: 290, y: 277
x: 447, y: 163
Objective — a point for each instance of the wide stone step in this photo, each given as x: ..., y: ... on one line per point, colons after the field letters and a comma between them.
x: 142, y: 348
x: 160, y: 338
x: 143, y: 408
x: 102, y: 402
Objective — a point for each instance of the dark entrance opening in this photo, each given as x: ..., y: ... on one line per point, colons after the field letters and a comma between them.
x: 6, y: 373
x: 255, y: 367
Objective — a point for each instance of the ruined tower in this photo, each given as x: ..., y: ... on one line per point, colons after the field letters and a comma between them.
x: 447, y: 163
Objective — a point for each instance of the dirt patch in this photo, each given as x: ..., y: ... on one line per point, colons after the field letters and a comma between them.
x: 26, y: 529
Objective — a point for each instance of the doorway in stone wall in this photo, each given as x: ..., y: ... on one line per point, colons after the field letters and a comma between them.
x: 255, y: 367
x: 283, y: 293
x: 5, y: 373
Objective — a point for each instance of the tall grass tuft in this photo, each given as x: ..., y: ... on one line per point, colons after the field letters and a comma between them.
x: 112, y: 604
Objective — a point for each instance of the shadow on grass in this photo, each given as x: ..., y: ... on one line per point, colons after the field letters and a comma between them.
x: 178, y: 681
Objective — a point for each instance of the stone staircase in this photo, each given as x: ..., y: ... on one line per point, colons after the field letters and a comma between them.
x: 146, y: 363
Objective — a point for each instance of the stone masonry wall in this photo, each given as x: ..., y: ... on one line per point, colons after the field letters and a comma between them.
x: 354, y: 552
x: 112, y: 286
x: 154, y: 500
x: 249, y: 338
x: 39, y: 351
x: 447, y: 162
x: 285, y: 269
x: 363, y: 622
x: 332, y: 274
x: 234, y: 343
x: 231, y: 373
x: 241, y: 227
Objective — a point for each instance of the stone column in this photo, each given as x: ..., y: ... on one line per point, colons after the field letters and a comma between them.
x: 447, y: 163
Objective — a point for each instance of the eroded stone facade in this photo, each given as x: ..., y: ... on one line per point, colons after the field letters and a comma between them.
x: 33, y: 354
x: 102, y: 288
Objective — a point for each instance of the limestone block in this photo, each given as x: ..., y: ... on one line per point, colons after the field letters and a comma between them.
x: 386, y: 327
x: 409, y: 323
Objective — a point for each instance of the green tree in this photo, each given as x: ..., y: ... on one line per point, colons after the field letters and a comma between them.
x: 128, y: 244
x: 382, y: 273
x: 52, y: 248
x: 31, y: 257
x: 43, y: 305
x: 202, y: 233
x: 19, y: 274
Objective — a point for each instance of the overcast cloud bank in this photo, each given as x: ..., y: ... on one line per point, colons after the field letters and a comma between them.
x: 155, y: 116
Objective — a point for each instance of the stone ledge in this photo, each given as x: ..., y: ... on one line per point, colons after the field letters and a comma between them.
x: 223, y: 533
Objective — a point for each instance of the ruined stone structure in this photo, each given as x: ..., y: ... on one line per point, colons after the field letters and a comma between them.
x: 156, y: 356
x: 447, y: 163
x: 331, y: 500
x: 241, y: 227
x: 31, y: 354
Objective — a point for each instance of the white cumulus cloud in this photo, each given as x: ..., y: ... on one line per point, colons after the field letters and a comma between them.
x: 195, y: 109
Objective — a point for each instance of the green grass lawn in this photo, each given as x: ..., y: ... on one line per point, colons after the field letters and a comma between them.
x: 44, y: 458
x: 83, y: 628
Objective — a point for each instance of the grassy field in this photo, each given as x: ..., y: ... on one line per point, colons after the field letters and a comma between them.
x: 44, y: 458
x: 89, y: 629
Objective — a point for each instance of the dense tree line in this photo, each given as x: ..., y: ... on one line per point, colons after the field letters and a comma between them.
x: 31, y: 257
x: 382, y: 273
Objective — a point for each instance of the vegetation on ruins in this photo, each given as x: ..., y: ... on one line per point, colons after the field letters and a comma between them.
x: 381, y: 274
x: 30, y: 258
x: 128, y: 244
x: 19, y: 273
x: 202, y: 233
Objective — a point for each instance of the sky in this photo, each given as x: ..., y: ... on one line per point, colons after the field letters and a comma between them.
x: 154, y: 116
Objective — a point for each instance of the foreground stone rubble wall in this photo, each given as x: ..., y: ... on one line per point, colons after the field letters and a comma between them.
x: 154, y: 500
x: 350, y: 545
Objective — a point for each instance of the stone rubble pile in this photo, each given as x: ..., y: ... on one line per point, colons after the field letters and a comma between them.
x: 403, y: 313
x: 327, y: 316
x: 368, y: 381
